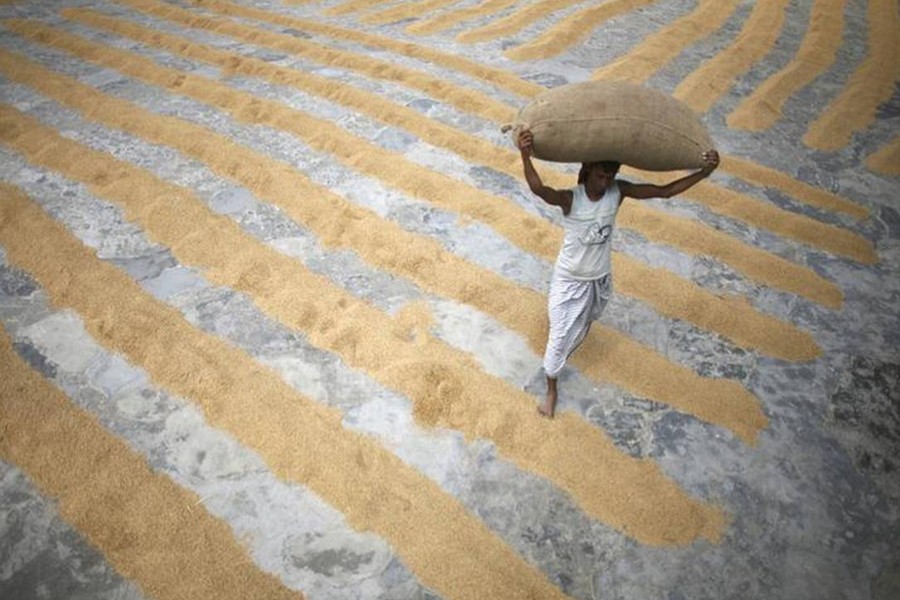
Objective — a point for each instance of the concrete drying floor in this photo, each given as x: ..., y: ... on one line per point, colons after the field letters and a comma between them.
x: 295, y: 271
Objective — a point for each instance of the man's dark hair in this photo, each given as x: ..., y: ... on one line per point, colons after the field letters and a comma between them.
x: 608, y: 166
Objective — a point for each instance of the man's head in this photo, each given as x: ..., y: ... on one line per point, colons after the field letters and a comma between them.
x: 597, y: 176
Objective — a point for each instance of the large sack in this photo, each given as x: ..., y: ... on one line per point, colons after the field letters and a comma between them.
x: 599, y: 120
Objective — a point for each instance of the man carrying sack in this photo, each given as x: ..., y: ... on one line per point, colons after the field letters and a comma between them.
x: 581, y: 284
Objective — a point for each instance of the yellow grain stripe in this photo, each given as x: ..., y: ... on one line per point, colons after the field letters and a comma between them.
x: 785, y: 223
x: 737, y: 321
x: 444, y: 384
x: 871, y: 83
x: 702, y: 88
x: 301, y: 441
x: 817, y: 52
x: 352, y: 6
x: 887, y: 159
x: 803, y: 192
x: 501, y: 78
x: 658, y: 49
x: 150, y: 530
x: 466, y: 102
x: 760, y: 266
x: 405, y: 10
x: 515, y: 22
x: 471, y: 101
x: 571, y: 30
x: 451, y: 18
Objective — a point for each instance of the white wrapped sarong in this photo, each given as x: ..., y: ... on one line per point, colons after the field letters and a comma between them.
x: 573, y: 304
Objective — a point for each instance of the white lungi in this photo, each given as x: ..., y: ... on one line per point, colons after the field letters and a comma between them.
x: 572, y: 306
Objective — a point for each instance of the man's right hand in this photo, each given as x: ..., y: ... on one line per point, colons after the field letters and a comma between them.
x: 526, y: 141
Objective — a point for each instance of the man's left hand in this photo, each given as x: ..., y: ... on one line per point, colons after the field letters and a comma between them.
x: 711, y: 161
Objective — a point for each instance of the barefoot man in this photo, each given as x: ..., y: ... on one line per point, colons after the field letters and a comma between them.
x: 581, y: 284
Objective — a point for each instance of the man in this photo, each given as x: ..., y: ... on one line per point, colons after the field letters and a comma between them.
x: 581, y: 284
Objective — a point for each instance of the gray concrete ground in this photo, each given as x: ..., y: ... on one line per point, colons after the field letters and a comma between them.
x: 814, y: 504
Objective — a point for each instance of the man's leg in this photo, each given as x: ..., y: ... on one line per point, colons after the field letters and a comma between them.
x: 566, y: 302
x: 572, y: 307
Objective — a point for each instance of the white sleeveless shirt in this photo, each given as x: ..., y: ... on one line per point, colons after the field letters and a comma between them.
x: 585, y: 253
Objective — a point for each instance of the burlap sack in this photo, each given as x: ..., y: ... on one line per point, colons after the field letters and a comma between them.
x: 599, y: 120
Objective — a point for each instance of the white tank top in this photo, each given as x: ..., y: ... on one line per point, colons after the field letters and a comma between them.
x: 585, y: 252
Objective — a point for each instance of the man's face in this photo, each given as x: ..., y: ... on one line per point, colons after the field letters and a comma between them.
x: 598, y: 178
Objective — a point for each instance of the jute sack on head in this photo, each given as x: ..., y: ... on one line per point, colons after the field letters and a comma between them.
x: 598, y: 120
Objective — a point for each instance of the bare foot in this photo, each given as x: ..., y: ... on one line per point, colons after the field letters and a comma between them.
x: 549, y: 406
